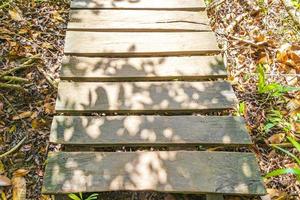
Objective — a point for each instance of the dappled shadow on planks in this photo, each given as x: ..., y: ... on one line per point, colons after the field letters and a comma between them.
x: 169, y: 171
x: 143, y: 68
x: 148, y: 131
x: 140, y: 97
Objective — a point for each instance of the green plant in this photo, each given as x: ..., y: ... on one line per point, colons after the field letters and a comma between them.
x: 273, y: 89
x: 80, y: 196
x: 241, y: 109
x: 275, y: 118
x: 295, y: 170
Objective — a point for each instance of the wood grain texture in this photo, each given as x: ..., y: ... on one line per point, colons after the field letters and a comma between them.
x: 144, y: 96
x: 148, y: 130
x: 136, y: 20
x: 170, y: 171
x: 140, y: 43
x: 140, y: 4
x: 142, y: 68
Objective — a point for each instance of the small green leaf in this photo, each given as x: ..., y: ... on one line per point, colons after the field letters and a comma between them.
x: 288, y: 153
x: 278, y: 172
x: 295, y: 143
x: 93, y: 197
x: 74, y: 197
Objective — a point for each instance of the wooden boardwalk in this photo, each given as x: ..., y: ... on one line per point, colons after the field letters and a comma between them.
x: 147, y: 67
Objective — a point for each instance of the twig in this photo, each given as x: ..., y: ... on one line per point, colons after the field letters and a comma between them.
x: 237, y: 20
x: 12, y: 87
x: 5, y: 4
x: 14, y: 79
x: 24, y: 65
x: 292, y: 11
x: 215, y: 3
x: 14, y: 148
x: 24, y: 138
x: 48, y: 78
x: 258, y: 44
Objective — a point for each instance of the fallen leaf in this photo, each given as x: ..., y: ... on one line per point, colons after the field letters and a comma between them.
x: 276, y: 138
x: 22, y: 115
x: 1, y: 106
x: 19, y: 184
x: 4, y: 181
x: 2, y: 168
x: 19, y: 188
x: 3, y: 196
x: 49, y: 108
x: 20, y: 173
x: 15, y: 14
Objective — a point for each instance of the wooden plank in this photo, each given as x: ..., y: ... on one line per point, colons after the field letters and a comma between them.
x: 149, y: 130
x: 170, y: 171
x: 142, y: 68
x: 140, y: 43
x: 146, y: 20
x: 140, y: 4
x: 141, y: 97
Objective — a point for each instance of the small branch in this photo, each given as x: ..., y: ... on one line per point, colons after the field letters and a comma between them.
x: 14, y: 79
x: 214, y: 4
x: 292, y: 11
x: 252, y: 43
x: 14, y: 148
x: 237, y: 20
x: 24, y: 65
x: 49, y: 79
x: 12, y: 87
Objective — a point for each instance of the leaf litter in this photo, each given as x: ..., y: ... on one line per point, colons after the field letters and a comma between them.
x: 251, y: 33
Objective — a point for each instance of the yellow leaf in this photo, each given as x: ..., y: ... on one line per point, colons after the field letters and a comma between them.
x: 20, y: 173
x: 2, y: 168
x: 15, y: 14
x: 12, y: 129
x: 22, y: 115
x: 3, y: 196
x: 57, y: 16
x: 19, y: 188
x: 277, y: 138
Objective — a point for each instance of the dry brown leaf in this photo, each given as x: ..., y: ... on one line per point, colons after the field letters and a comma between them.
x: 21, y: 173
x: 274, y: 193
x: 4, y: 181
x: 49, y: 108
x: 22, y: 115
x: 19, y: 184
x: 276, y: 138
x: 15, y: 14
x: 19, y: 188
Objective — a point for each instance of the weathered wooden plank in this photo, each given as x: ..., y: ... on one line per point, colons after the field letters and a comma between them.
x: 140, y: 4
x: 142, y: 68
x: 171, y: 171
x: 149, y: 130
x: 140, y: 43
x: 144, y: 96
x: 146, y: 20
